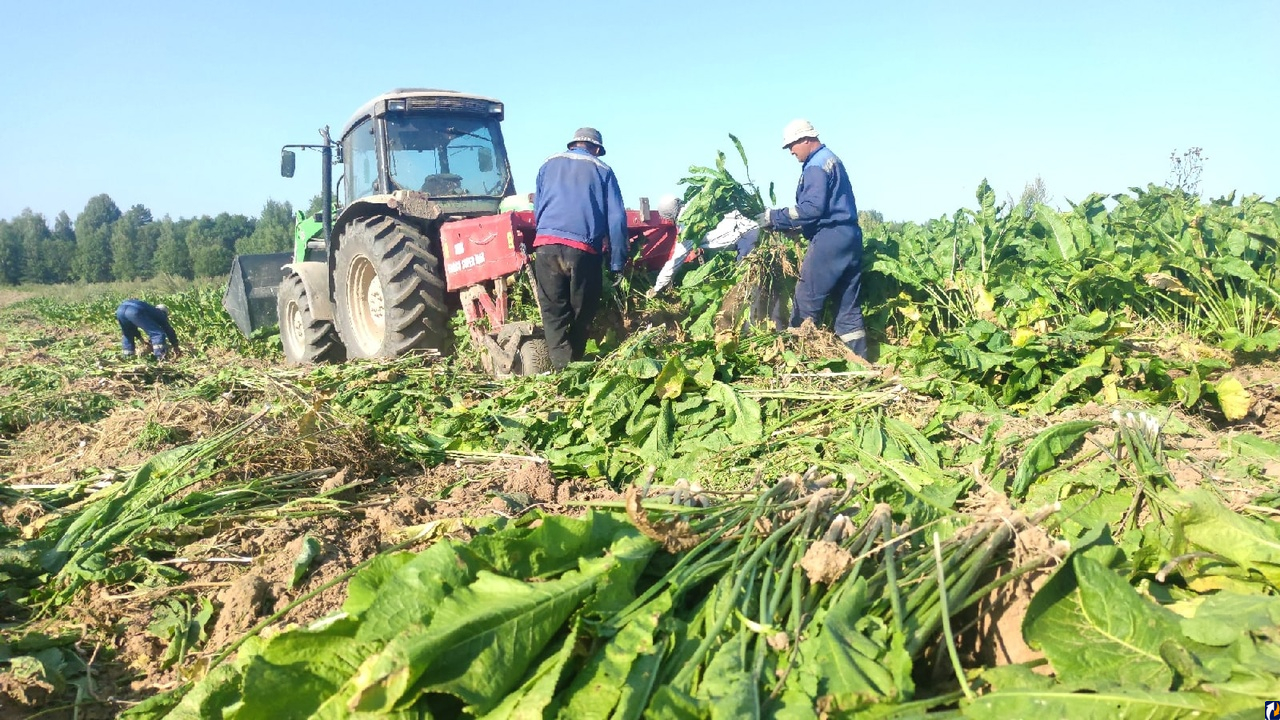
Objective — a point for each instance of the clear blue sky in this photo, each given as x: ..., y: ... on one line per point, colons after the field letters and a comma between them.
x: 182, y: 107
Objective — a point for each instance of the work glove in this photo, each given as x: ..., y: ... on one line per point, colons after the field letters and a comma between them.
x: 764, y: 220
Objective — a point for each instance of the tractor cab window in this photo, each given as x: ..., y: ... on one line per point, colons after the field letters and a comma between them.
x: 446, y: 155
x: 360, y: 154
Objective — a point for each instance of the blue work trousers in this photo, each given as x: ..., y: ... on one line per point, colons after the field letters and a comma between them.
x: 833, y: 269
x: 135, y: 316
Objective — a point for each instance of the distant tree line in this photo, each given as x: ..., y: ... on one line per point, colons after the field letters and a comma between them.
x: 105, y: 244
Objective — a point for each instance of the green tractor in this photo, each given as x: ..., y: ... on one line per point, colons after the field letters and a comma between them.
x: 366, y: 279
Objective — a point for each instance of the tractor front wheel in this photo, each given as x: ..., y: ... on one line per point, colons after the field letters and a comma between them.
x: 390, y: 290
x: 306, y: 341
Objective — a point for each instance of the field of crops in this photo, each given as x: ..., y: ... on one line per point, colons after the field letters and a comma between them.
x: 1054, y: 494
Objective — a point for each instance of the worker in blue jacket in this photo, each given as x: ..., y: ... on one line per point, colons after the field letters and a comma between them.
x: 580, y: 216
x: 137, y: 317
x: 827, y: 215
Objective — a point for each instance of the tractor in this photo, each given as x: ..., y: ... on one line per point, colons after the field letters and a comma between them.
x: 424, y: 221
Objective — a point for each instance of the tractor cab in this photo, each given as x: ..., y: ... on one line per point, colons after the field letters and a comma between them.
x: 445, y: 145
x: 406, y: 162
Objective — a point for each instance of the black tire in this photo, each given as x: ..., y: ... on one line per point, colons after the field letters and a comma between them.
x: 306, y: 341
x: 390, y: 290
x: 533, y: 358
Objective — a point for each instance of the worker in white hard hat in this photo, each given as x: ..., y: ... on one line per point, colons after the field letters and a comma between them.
x: 735, y: 230
x: 827, y: 215
x: 137, y: 318
x: 578, y: 211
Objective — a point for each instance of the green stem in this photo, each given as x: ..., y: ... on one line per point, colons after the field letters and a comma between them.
x: 713, y: 633
x: 946, y: 621
x: 891, y: 571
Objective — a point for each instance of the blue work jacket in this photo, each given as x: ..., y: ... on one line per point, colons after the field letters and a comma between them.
x: 578, y: 199
x: 824, y: 197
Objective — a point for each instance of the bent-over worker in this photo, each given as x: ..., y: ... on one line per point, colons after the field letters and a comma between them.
x: 734, y: 231
x: 137, y: 317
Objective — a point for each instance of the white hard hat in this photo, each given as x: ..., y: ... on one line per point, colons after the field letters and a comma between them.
x: 163, y: 308
x: 669, y: 206
x: 797, y: 130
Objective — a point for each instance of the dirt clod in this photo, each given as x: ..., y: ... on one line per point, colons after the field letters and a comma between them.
x: 242, y: 605
x: 826, y: 562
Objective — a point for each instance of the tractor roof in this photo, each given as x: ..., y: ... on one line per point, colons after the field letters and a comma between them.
x: 409, y: 93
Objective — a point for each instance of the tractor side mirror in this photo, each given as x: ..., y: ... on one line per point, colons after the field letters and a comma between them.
x: 337, y: 154
x: 287, y: 162
x: 485, y: 160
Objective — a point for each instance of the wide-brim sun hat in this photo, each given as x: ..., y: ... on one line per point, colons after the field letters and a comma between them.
x: 588, y: 135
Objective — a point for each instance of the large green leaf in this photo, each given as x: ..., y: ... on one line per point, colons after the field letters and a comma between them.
x: 532, y: 698
x: 849, y: 663
x: 483, y: 637
x: 612, y: 403
x: 416, y: 591
x: 1251, y: 446
x: 313, y: 666
x: 922, y: 451
x: 596, y: 690
x: 1098, y: 632
x: 729, y: 691
x: 670, y: 382
x: 553, y: 546
x: 1133, y: 704
x: 643, y: 676
x: 742, y: 414
x: 1225, y: 617
x: 316, y: 663
x: 1211, y: 526
x: 1061, y: 240
x: 210, y: 697
x: 1043, y: 452
x: 367, y: 584
x: 1064, y: 386
x: 660, y: 443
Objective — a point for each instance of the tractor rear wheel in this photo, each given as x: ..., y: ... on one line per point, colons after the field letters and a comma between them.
x: 306, y: 340
x: 390, y: 290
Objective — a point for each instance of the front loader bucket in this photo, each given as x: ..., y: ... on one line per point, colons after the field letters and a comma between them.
x: 251, y: 292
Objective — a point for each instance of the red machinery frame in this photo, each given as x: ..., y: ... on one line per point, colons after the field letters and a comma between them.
x: 484, y: 251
